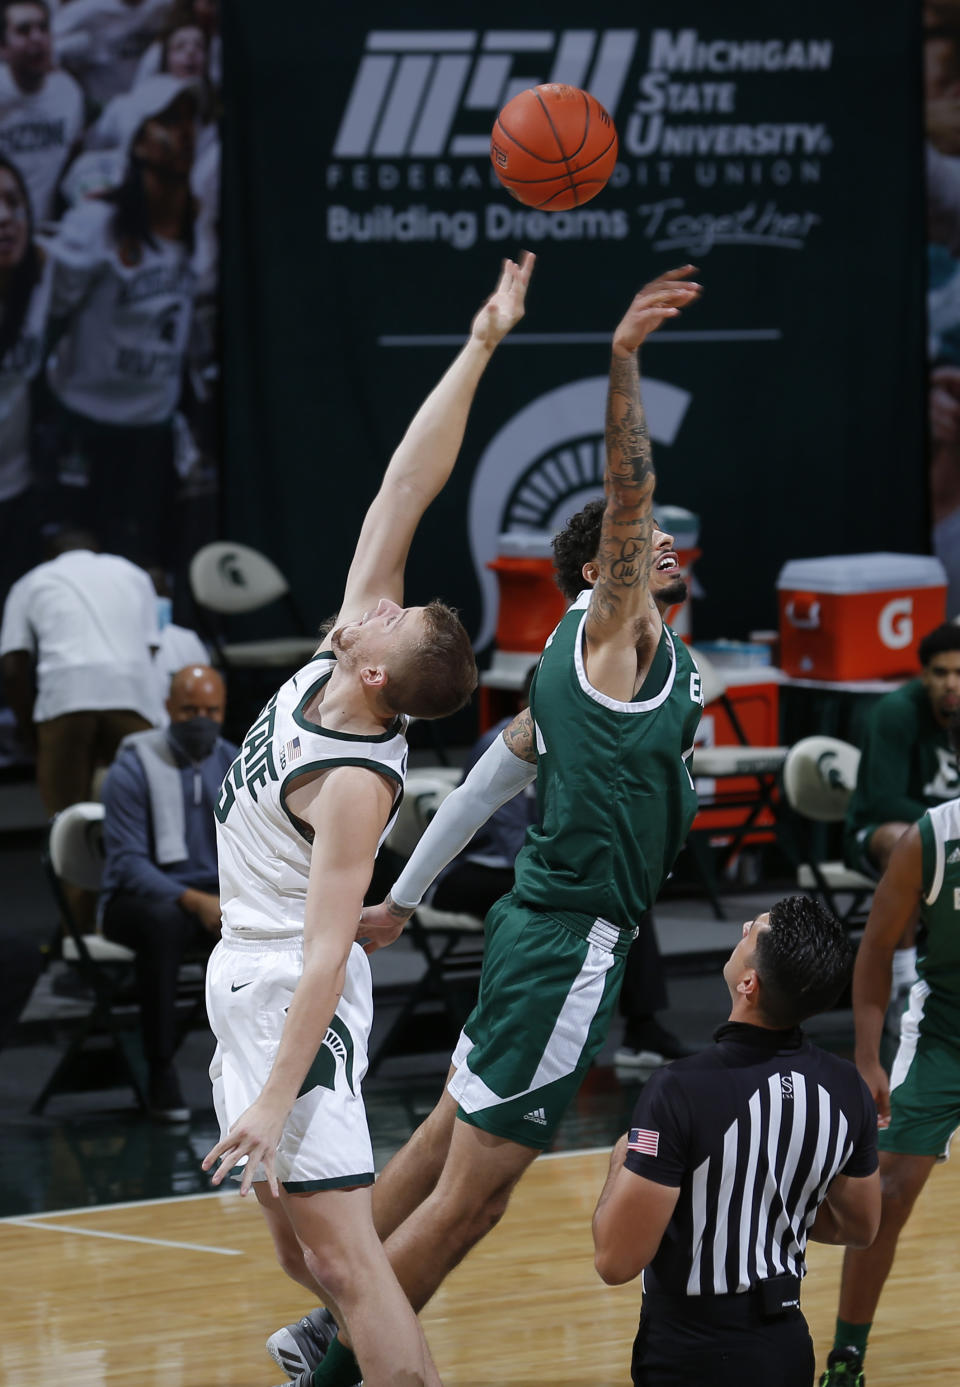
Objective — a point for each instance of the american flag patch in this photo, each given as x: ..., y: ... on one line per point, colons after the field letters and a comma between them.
x: 293, y: 749
x: 647, y: 1143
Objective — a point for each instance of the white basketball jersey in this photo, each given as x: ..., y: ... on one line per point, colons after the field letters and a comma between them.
x: 264, y: 852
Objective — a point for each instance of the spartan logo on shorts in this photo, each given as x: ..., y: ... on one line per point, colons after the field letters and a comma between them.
x: 545, y: 464
x: 337, y: 1048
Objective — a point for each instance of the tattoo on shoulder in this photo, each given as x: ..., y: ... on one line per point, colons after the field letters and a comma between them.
x: 520, y: 739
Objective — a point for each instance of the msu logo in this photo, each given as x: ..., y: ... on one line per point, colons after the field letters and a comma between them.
x: 413, y: 86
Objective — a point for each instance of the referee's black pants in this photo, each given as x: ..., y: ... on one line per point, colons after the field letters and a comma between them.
x: 723, y: 1341
x: 161, y: 934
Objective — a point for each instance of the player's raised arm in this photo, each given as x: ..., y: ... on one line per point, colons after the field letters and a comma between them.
x: 426, y: 455
x: 621, y: 606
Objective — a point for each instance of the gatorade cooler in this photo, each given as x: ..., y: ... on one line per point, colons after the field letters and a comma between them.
x: 858, y: 616
x: 531, y: 604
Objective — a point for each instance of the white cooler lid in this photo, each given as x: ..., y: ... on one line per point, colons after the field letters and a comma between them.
x: 842, y: 573
x: 525, y: 544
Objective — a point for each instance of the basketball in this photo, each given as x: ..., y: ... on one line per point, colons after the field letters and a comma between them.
x: 553, y: 147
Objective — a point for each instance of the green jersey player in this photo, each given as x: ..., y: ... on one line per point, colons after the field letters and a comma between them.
x: 919, y: 1105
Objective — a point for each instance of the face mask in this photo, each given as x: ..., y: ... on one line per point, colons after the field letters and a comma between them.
x: 195, y: 738
x: 164, y: 612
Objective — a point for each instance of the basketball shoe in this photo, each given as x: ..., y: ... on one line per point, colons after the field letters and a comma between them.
x: 298, y: 1348
x: 844, y: 1369
x: 305, y: 1379
x: 648, y: 1045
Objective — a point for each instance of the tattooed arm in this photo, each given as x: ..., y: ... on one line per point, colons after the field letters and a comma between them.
x: 428, y: 450
x: 623, y: 624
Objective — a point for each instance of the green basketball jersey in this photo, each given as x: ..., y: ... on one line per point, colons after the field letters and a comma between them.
x: 614, y: 792
x: 938, y: 940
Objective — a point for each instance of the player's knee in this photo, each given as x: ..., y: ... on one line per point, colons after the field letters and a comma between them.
x: 435, y: 1134
x: 899, y: 1195
x: 290, y: 1257
x: 483, y: 1216
x: 328, y: 1268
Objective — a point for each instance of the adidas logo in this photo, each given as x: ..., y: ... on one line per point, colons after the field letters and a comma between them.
x: 954, y: 857
x: 538, y: 1116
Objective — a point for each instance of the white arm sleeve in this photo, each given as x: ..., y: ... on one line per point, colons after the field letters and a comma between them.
x: 497, y: 777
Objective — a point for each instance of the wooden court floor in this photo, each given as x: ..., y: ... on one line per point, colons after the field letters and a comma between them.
x: 182, y: 1292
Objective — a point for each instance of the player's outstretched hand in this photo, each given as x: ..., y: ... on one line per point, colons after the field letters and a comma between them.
x: 662, y: 298
x: 380, y: 925
x: 256, y: 1136
x: 504, y: 308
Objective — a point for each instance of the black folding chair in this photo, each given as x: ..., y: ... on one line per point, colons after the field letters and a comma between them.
x: 449, y: 942
x: 74, y: 857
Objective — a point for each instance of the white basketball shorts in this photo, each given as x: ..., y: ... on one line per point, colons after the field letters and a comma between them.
x: 325, y: 1143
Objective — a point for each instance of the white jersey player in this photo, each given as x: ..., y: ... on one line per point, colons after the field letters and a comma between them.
x: 301, y: 815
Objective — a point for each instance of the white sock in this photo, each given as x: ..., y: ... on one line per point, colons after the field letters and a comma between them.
x: 904, y: 969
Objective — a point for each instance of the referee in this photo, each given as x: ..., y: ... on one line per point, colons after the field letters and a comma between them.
x: 736, y: 1157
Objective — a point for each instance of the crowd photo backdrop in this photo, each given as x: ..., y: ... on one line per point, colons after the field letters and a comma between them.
x: 941, y: 77
x: 109, y: 228
x: 780, y: 152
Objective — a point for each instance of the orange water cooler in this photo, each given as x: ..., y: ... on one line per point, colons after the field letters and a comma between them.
x: 858, y: 616
x: 531, y: 604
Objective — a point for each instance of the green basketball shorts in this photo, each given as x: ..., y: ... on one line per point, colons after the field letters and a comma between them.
x: 548, y: 991
x: 924, y: 1087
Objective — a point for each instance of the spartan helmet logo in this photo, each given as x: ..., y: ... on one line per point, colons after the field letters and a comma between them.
x: 168, y: 323
x: 545, y: 464
x: 336, y: 1049
x: 231, y: 570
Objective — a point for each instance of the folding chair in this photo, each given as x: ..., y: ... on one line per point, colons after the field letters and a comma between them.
x: 741, y: 781
x: 450, y: 943
x: 232, y: 579
x: 819, y: 776
x: 74, y: 857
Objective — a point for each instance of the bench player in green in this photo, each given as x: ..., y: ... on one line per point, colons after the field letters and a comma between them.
x: 614, y: 707
x: 919, y: 1106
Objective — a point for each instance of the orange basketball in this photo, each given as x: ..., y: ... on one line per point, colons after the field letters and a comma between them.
x: 553, y: 147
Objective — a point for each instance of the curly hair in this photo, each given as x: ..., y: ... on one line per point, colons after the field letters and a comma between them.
x: 804, y: 961
x: 577, y: 544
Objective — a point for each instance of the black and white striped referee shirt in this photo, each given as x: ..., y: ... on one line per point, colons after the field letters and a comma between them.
x: 752, y: 1130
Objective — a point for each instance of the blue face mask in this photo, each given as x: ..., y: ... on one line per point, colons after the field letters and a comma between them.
x: 164, y: 612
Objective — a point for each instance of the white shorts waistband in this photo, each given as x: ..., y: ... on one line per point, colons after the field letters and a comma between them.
x: 264, y: 944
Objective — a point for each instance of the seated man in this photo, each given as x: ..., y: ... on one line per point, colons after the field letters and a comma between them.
x: 160, y: 892
x: 907, y: 766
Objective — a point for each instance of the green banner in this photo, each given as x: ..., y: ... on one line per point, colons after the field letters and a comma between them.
x: 780, y: 151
